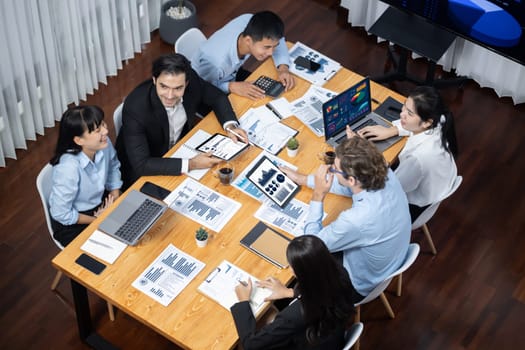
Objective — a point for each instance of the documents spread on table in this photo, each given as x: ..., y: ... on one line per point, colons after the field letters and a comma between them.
x: 202, y: 204
x: 246, y: 186
x: 309, y: 108
x: 291, y: 218
x: 188, y: 151
x: 265, y: 129
x: 104, y: 247
x: 327, y: 70
x: 168, y: 275
x: 220, y: 286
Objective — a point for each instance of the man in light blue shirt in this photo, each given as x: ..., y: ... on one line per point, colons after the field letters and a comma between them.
x: 220, y: 58
x: 374, y: 233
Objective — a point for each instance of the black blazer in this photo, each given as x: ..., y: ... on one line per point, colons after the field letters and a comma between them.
x: 287, y: 331
x: 144, y: 136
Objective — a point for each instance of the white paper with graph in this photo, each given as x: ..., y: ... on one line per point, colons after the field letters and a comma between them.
x: 168, y: 275
x: 221, y: 282
x: 202, y: 204
x: 265, y: 130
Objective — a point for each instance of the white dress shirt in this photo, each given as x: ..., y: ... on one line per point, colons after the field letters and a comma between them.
x: 177, y: 118
x: 426, y: 170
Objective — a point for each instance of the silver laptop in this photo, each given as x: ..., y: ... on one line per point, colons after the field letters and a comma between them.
x: 352, y: 107
x: 133, y: 217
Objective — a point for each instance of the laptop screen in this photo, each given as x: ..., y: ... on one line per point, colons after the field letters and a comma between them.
x: 347, y: 108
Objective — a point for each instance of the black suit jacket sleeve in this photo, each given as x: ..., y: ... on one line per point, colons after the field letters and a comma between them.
x: 144, y: 136
x: 287, y: 331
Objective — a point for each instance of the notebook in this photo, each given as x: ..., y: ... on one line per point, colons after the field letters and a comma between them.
x: 352, y: 107
x: 268, y: 244
x: 133, y: 217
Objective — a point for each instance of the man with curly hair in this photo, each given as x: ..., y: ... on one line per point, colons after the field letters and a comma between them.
x: 372, y: 236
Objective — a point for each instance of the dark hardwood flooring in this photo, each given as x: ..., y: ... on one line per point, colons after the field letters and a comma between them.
x: 470, y: 296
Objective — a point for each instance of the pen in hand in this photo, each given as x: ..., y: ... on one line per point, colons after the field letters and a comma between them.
x: 240, y: 137
x: 244, y: 283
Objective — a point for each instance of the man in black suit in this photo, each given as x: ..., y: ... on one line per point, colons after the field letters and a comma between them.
x: 158, y: 112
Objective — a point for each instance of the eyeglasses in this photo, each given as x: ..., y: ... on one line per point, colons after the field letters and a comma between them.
x: 335, y: 171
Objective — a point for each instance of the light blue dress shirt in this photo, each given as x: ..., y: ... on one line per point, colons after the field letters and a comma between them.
x: 79, y: 183
x: 373, y: 234
x: 217, y: 60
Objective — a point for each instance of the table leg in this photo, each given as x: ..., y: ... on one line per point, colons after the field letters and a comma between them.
x: 85, y: 326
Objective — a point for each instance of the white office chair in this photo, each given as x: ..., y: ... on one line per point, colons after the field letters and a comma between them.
x: 378, y: 291
x: 429, y: 212
x: 188, y: 43
x: 117, y: 118
x: 44, y: 182
x: 352, y: 335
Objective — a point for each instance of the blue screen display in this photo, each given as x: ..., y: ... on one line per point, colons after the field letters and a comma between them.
x: 495, y: 24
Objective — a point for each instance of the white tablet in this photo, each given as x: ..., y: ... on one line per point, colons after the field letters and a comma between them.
x: 271, y: 181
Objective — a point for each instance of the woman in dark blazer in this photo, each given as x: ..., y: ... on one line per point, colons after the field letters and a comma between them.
x: 316, y: 319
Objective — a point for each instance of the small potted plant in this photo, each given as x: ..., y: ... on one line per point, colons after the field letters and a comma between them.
x: 292, y: 146
x: 201, y: 237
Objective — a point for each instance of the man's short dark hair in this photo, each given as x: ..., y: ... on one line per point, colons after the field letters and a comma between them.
x: 265, y: 24
x: 172, y: 63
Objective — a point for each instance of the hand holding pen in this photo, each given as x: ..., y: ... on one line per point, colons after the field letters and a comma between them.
x: 239, y: 134
x: 244, y: 289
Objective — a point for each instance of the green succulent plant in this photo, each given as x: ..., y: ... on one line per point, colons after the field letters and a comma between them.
x: 292, y: 143
x: 201, y: 234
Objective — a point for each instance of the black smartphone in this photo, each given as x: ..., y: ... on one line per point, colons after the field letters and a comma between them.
x: 91, y: 264
x: 155, y: 191
x: 306, y: 63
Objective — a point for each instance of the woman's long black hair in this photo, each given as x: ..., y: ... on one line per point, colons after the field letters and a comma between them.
x: 324, y: 287
x: 430, y: 107
x: 75, y: 121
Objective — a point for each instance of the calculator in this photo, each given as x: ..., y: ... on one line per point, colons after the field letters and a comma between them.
x: 270, y: 86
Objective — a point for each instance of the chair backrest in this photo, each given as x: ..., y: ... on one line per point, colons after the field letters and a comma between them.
x: 188, y: 43
x: 352, y: 335
x: 429, y: 212
x: 117, y: 118
x: 412, y: 253
x: 44, y: 182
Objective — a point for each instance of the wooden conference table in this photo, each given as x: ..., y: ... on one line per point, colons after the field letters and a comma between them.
x: 192, y: 320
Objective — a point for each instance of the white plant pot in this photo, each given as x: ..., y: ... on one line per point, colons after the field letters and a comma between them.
x: 201, y: 244
x: 292, y: 152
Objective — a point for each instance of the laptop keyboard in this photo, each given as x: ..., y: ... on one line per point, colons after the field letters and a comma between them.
x: 138, y: 221
x: 369, y: 122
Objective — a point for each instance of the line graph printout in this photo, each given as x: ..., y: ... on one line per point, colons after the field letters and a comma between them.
x: 168, y: 275
x: 202, y: 204
x: 265, y: 130
x: 309, y: 108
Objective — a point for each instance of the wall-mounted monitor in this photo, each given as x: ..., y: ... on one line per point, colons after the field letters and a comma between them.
x: 498, y: 25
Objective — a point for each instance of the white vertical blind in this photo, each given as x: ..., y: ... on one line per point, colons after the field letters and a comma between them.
x: 55, y: 52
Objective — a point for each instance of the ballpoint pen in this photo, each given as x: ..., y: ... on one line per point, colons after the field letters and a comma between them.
x: 241, y: 137
x: 244, y: 283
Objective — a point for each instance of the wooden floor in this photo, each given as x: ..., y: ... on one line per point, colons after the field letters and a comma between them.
x: 470, y: 296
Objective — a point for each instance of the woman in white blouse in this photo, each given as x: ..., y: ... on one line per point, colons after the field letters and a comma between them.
x: 427, y: 169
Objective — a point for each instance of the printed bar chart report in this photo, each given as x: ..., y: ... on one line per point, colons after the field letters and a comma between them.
x: 168, y: 275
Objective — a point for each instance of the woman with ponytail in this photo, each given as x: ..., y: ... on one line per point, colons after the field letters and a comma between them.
x: 427, y: 169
